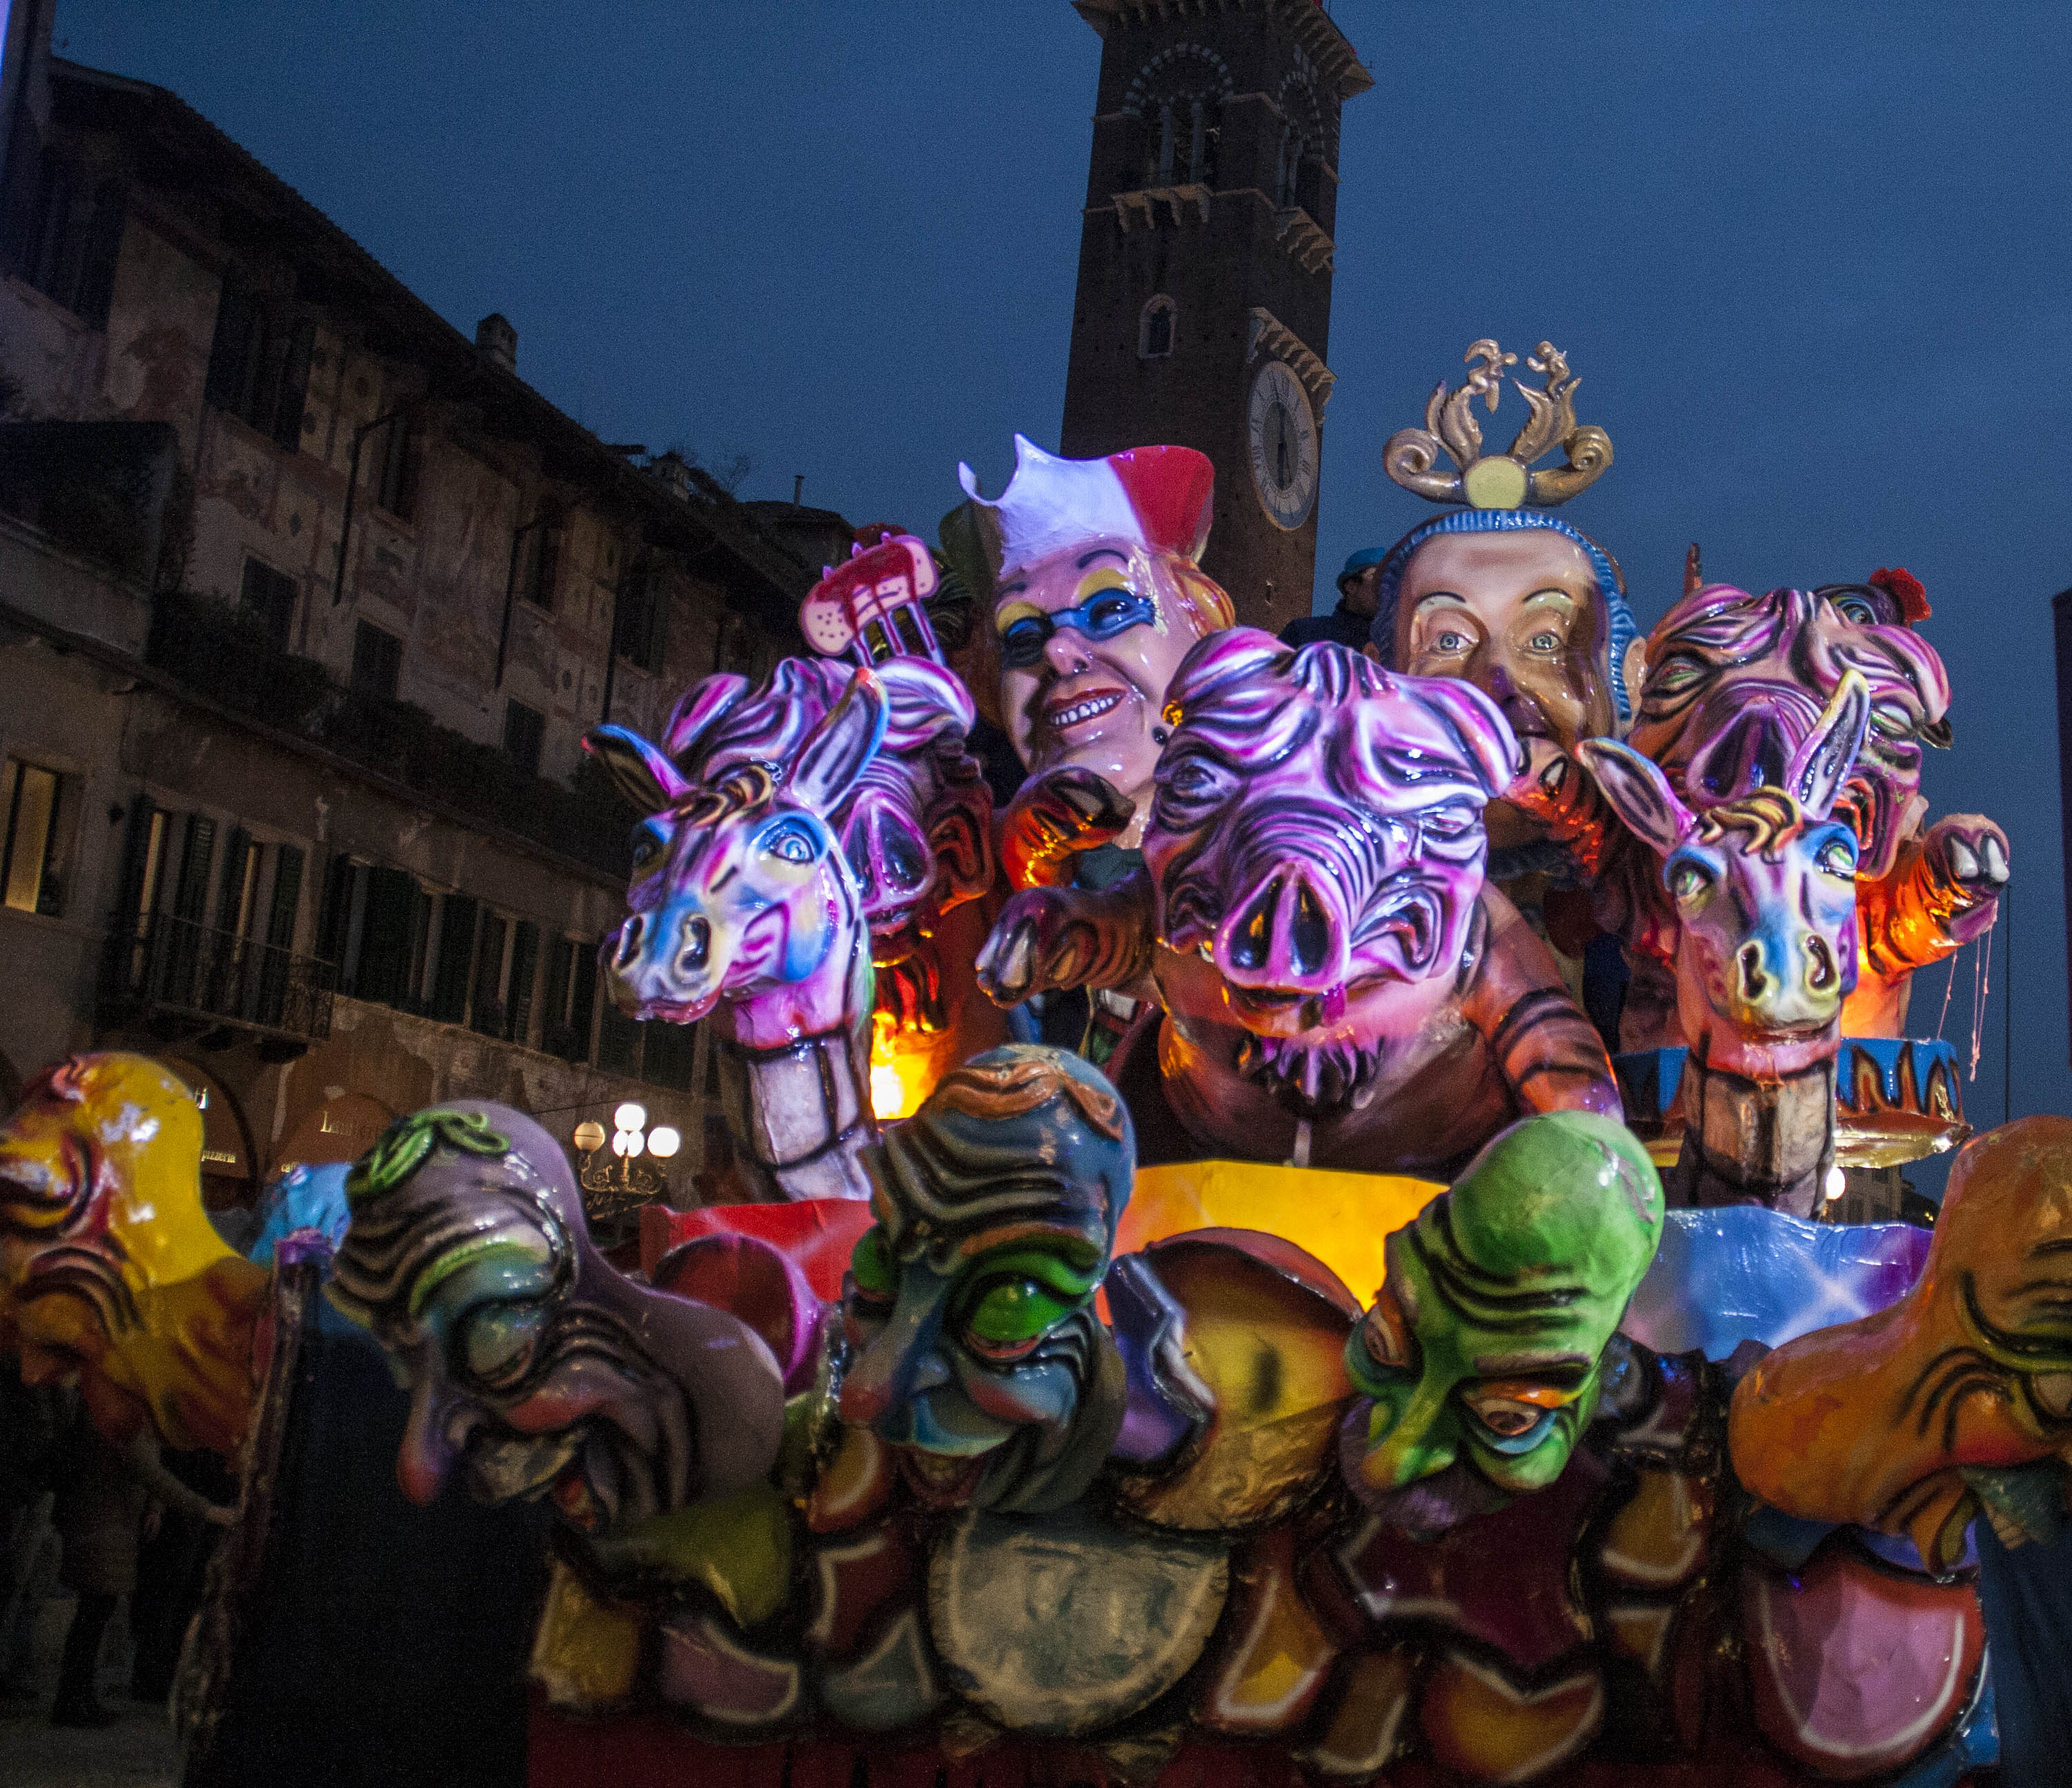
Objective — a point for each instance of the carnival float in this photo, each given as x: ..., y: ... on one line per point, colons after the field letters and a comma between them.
x: 1404, y: 1345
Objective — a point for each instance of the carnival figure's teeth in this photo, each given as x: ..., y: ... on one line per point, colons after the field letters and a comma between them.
x: 1309, y: 1078
x: 1091, y: 708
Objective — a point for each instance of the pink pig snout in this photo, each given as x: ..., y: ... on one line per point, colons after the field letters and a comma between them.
x: 1287, y: 932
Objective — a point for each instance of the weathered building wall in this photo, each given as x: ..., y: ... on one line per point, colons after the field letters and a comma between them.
x: 243, y: 809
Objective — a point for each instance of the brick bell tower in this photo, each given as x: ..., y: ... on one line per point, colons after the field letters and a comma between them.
x: 1204, y: 305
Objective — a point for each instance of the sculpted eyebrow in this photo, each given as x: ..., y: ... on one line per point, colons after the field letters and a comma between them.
x: 1087, y: 559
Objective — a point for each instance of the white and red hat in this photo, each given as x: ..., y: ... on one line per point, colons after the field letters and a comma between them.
x: 1159, y: 497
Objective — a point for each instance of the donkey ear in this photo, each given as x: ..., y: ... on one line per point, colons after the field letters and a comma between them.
x: 699, y: 706
x: 1638, y: 792
x: 1823, y: 764
x: 641, y: 772
x: 835, y: 752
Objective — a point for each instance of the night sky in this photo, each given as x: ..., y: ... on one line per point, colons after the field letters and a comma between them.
x: 1810, y: 260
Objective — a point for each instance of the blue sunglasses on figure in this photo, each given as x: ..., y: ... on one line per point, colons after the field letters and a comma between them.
x: 1111, y: 612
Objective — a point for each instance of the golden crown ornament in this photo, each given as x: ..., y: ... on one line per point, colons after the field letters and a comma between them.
x: 1504, y: 480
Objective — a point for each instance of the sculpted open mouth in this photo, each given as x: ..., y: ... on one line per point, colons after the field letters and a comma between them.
x: 510, y: 1470
x: 940, y: 1480
x: 1865, y: 807
x: 1414, y: 916
x: 1062, y: 716
x: 676, y: 1012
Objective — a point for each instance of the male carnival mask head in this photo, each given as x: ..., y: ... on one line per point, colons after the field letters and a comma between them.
x: 532, y: 1363
x: 969, y: 1305
x: 1483, y: 1358
x: 108, y: 1269
x: 1736, y: 683
x: 1316, y: 849
x: 1098, y: 599
x: 1499, y: 593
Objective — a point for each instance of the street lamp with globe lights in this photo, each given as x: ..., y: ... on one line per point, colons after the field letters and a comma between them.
x: 614, y: 1188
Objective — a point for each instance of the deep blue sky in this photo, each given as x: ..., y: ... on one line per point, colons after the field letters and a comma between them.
x: 1811, y: 259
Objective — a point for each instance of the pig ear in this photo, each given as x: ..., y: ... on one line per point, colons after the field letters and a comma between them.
x: 1639, y: 793
x: 1821, y: 766
x: 642, y: 772
x: 835, y: 752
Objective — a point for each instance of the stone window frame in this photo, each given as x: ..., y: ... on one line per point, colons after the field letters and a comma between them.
x: 1158, y: 304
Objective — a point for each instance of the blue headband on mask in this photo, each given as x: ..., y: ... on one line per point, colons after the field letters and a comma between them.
x: 1623, y: 630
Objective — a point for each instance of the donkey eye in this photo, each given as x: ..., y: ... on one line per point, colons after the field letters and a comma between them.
x: 1689, y: 881
x: 790, y: 842
x: 1837, y: 858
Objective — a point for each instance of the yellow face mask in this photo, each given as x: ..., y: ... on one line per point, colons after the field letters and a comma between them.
x: 110, y: 1270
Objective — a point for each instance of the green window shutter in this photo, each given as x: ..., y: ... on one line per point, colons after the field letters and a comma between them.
x: 456, y: 954
x: 524, y: 959
x: 667, y: 1055
x: 334, y: 917
x: 385, y: 937
x: 287, y: 894
x: 585, y: 1001
x: 136, y: 861
x: 191, y: 892
x: 617, y: 1042
x: 488, y: 1014
x: 230, y: 891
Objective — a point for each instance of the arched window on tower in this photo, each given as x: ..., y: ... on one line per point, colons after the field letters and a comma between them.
x: 1178, y: 98
x: 1155, y: 328
x: 1288, y: 171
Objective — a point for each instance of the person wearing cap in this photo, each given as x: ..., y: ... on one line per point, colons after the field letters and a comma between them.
x: 1359, y: 585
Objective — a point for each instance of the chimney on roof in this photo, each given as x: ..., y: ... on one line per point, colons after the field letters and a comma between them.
x: 496, y: 341
x: 675, y: 472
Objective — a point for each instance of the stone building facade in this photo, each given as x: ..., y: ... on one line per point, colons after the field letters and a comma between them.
x: 305, y: 602
x: 1203, y: 313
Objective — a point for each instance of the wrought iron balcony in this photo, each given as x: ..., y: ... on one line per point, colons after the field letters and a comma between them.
x: 180, y: 977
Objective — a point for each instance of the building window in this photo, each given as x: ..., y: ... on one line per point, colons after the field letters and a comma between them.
x: 487, y: 1013
x: 617, y: 1042
x: 1155, y: 328
x: 36, y: 804
x: 539, y: 586
x: 269, y: 596
x: 395, y: 486
x: 377, y: 662
x: 259, y: 364
x: 642, y: 619
x: 524, y: 728
x: 733, y: 649
x: 64, y: 239
x: 669, y: 1056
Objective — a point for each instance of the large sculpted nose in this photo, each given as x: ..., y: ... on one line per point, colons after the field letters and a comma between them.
x: 661, y: 955
x: 887, y: 854
x: 1787, y: 976
x: 1288, y: 931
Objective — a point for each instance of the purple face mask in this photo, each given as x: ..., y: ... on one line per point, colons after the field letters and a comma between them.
x: 1317, y: 832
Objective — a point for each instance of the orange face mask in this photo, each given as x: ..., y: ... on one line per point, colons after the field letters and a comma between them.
x: 1957, y: 1398
x: 110, y: 1270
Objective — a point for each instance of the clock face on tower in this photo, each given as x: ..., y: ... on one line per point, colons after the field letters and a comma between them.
x: 1284, y: 445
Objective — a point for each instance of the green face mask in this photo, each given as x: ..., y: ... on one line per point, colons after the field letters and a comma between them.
x: 1486, y: 1348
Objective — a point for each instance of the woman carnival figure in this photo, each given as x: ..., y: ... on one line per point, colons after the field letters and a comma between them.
x: 1096, y: 594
